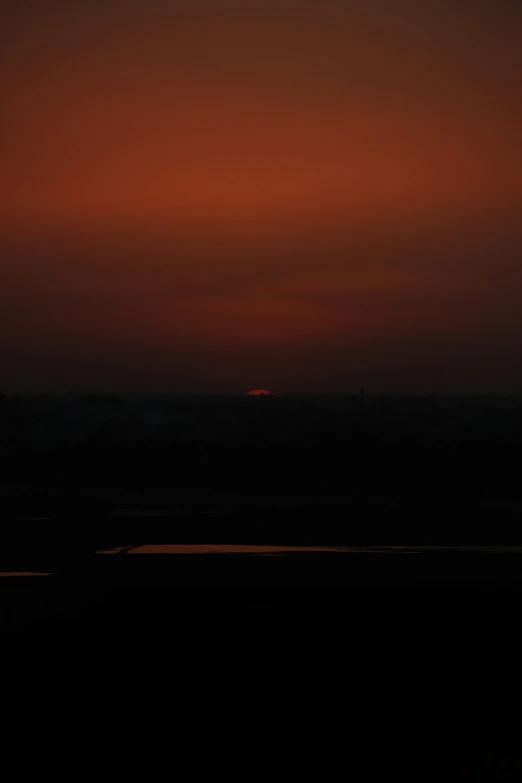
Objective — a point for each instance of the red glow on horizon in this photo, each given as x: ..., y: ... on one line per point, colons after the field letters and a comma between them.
x: 259, y: 393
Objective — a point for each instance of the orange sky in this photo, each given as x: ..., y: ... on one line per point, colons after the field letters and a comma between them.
x: 297, y: 196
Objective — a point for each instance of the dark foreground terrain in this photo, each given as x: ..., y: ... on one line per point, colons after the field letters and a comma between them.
x: 163, y: 595
x: 387, y: 662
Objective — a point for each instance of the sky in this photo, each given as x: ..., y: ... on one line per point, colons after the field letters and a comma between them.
x: 303, y: 196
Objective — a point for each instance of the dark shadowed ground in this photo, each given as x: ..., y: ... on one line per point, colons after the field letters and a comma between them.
x: 347, y: 571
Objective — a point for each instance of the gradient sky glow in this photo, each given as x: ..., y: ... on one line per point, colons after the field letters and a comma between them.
x: 300, y: 196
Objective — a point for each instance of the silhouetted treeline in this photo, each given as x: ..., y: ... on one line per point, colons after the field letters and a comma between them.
x: 430, y: 448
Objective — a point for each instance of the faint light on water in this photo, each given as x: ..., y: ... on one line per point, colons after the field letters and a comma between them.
x: 114, y: 551
x: 222, y: 549
x: 240, y: 549
x: 24, y: 573
x: 212, y: 549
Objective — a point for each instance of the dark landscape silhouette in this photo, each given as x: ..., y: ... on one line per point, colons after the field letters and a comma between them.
x: 410, y: 465
x: 306, y: 531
